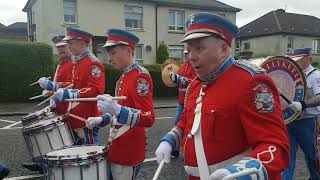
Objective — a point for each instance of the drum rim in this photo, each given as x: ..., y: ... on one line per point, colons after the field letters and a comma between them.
x: 60, y: 161
x: 297, y: 114
x: 36, y: 129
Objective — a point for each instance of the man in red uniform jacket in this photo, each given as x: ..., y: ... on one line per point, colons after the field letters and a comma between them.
x: 183, y: 78
x: 129, y: 118
x: 88, y: 80
x: 62, y: 78
x: 63, y: 74
x: 232, y: 124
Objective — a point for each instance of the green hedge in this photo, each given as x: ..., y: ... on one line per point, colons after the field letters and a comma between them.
x: 22, y: 63
x: 159, y: 89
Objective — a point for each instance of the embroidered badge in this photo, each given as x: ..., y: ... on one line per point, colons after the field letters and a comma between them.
x: 142, y: 87
x: 264, y: 99
x: 95, y: 72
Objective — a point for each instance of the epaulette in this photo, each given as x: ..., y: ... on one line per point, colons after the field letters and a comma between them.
x: 142, y: 69
x: 93, y: 57
x: 250, y: 67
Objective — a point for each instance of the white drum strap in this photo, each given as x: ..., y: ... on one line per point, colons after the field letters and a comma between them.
x: 196, y: 131
x: 114, y: 132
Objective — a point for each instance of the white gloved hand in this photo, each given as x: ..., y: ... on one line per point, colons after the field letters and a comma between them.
x: 93, y: 122
x: 107, y: 105
x: 164, y: 152
x: 46, y: 93
x: 295, y: 106
x: 173, y: 77
x: 43, y: 82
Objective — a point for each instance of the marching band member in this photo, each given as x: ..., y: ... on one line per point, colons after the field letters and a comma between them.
x: 304, y: 131
x: 232, y: 122
x: 62, y: 78
x: 63, y: 74
x: 128, y: 138
x: 183, y: 78
x: 88, y: 80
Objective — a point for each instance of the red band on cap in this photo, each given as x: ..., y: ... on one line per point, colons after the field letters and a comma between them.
x: 59, y: 41
x: 224, y: 34
x: 130, y: 42
x: 76, y: 35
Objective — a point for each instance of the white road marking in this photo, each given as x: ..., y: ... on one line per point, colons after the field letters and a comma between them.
x: 24, y: 177
x: 163, y: 118
x: 3, y: 120
x: 11, y: 125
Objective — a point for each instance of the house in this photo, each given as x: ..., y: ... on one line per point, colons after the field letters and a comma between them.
x: 153, y: 21
x: 14, y: 32
x: 277, y: 32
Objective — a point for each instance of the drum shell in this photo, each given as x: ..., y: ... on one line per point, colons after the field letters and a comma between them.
x: 43, y: 139
x: 93, y: 167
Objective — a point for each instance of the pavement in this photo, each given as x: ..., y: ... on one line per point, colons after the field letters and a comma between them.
x: 13, y: 151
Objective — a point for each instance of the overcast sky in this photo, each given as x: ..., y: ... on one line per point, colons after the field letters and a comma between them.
x: 11, y: 10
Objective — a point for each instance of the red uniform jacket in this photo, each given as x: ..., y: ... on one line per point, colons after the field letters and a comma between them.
x: 136, y: 84
x: 187, y: 71
x: 87, y: 76
x: 240, y: 111
x: 63, y: 75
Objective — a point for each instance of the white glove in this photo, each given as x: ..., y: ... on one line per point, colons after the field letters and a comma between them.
x: 247, y: 168
x: 107, y: 105
x: 173, y: 77
x: 46, y: 93
x: 164, y: 152
x: 43, y: 82
x: 295, y: 106
x: 93, y: 122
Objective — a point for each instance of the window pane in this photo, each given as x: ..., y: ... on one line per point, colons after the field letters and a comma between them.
x: 171, y: 18
x: 133, y: 17
x: 176, y: 52
x: 69, y: 7
x: 138, y: 52
x: 180, y: 18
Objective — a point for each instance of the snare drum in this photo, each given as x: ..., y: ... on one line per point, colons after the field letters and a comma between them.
x: 37, y: 116
x: 79, y: 162
x: 46, y: 136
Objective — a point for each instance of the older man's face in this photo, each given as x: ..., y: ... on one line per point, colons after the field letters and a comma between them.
x: 206, y: 55
x: 63, y: 52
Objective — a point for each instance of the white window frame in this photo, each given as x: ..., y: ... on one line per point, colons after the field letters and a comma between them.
x: 175, y: 25
x: 176, y: 47
x: 139, y: 61
x: 290, y: 43
x: 127, y: 12
x: 75, y: 13
x: 316, y: 46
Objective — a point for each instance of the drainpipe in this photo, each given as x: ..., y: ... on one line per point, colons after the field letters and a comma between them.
x: 156, y: 9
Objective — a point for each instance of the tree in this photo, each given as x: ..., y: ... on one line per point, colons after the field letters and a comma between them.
x: 162, y: 54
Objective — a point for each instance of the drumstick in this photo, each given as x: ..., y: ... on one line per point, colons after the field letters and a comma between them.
x: 284, y: 97
x: 95, y: 99
x: 44, y: 101
x: 240, y: 174
x: 156, y: 175
x: 37, y: 82
x: 77, y: 117
x: 35, y: 97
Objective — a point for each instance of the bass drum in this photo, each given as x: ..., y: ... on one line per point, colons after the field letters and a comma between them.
x: 289, y: 79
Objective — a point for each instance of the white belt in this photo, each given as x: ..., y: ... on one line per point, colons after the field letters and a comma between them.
x: 194, y: 171
x: 182, y: 89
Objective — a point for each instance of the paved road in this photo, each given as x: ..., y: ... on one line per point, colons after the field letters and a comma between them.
x: 13, y: 151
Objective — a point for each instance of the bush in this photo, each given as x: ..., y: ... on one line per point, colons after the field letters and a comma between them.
x: 162, y: 53
x: 21, y: 64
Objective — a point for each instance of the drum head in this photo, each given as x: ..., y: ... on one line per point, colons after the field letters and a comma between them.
x: 290, y: 81
x: 165, y: 75
x: 76, y: 152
